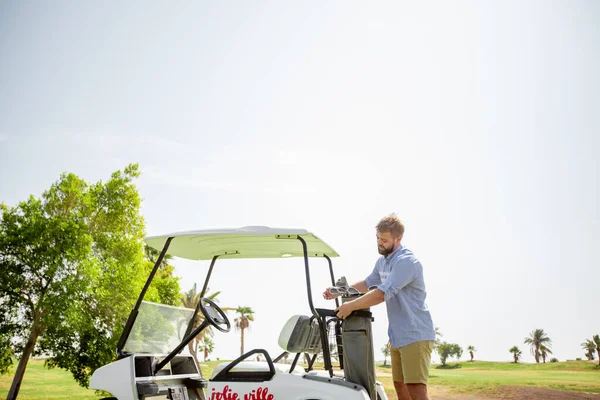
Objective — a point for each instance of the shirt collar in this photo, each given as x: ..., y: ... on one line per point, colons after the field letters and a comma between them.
x: 401, y: 247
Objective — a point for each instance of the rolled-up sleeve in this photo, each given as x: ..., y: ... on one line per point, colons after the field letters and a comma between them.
x: 402, y: 273
x: 373, y: 279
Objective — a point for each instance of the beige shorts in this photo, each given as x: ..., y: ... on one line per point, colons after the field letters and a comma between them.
x: 410, y: 364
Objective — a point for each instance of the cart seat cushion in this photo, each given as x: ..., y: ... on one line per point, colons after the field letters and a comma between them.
x: 300, y: 334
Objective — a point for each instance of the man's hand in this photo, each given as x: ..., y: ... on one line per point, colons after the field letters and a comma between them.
x: 344, y: 310
x: 327, y: 295
x: 369, y: 299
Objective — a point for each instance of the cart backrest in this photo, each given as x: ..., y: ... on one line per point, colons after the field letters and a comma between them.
x: 300, y: 334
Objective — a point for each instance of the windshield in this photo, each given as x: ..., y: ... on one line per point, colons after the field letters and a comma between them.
x: 158, y: 328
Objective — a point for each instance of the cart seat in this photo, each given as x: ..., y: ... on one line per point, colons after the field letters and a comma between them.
x: 300, y: 334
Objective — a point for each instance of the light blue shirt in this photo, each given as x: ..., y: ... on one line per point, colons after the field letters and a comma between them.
x: 400, y: 277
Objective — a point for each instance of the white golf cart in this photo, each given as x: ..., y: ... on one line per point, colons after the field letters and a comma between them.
x: 152, y: 364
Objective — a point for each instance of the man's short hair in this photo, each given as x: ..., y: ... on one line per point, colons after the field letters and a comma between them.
x: 391, y: 223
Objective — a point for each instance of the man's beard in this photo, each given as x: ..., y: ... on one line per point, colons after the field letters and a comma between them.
x: 384, y: 251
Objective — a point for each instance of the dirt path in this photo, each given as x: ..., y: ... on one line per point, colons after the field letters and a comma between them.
x: 443, y: 393
x: 512, y: 393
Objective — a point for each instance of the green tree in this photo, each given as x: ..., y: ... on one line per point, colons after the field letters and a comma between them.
x: 471, y: 350
x: 42, y: 269
x: 190, y: 299
x: 537, y: 338
x: 386, y: 353
x: 71, y: 265
x: 596, y: 339
x: 544, y: 351
x: 165, y: 286
x: 151, y: 254
x: 516, y: 353
x: 590, y: 347
x: 242, y: 322
x: 446, y: 350
x: 207, y: 345
x: 438, y: 336
x: 8, y: 328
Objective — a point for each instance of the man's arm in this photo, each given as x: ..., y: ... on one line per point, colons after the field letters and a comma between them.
x: 372, y: 298
x: 361, y: 286
x: 398, y: 278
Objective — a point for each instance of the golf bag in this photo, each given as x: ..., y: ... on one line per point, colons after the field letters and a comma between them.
x: 357, y: 339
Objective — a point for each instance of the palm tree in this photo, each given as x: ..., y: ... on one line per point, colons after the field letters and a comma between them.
x: 590, y: 347
x: 471, y: 350
x: 544, y: 352
x: 537, y: 338
x: 516, y: 353
x: 386, y: 353
x: 207, y: 345
x: 596, y: 339
x: 152, y: 254
x: 242, y: 321
x: 190, y: 299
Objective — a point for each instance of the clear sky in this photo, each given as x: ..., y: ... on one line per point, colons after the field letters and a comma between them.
x: 476, y: 121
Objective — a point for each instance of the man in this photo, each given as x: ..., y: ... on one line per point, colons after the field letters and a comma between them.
x: 398, y: 276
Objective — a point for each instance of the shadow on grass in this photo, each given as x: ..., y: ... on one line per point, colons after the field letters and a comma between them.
x: 449, y: 366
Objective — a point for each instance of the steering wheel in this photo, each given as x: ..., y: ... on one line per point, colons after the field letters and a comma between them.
x: 214, y: 315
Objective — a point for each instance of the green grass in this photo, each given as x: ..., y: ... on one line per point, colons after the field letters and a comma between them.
x: 487, y: 377
x: 40, y: 383
x: 479, y: 377
x: 207, y: 367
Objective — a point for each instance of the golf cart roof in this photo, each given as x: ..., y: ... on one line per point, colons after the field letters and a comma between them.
x: 245, y: 242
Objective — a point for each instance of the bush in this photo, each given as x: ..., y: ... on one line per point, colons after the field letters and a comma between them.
x: 553, y: 359
x: 578, y: 359
x: 448, y: 366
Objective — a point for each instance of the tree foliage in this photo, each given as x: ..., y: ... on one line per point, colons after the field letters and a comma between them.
x: 190, y: 299
x: 589, y: 348
x: 446, y: 350
x: 438, y: 336
x: 516, y: 352
x: 8, y: 328
x: 207, y: 346
x: 71, y: 266
x: 43, y: 266
x: 471, y: 350
x: 544, y: 351
x: 536, y: 339
x: 242, y: 322
x: 165, y: 286
x: 596, y: 340
x: 386, y: 353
